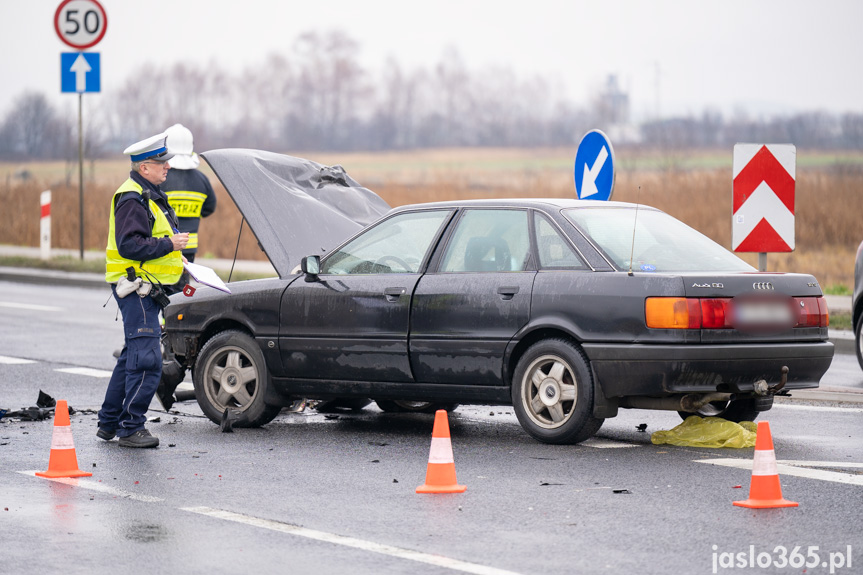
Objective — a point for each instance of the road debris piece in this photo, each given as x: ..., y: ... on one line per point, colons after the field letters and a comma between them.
x: 228, y: 418
x: 43, y: 409
x: 45, y: 400
x: 31, y: 413
x: 713, y: 432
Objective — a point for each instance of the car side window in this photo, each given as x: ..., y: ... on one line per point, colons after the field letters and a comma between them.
x: 489, y: 241
x: 395, y: 246
x: 554, y: 251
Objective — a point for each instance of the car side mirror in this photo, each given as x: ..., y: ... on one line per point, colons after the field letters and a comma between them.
x: 311, y: 266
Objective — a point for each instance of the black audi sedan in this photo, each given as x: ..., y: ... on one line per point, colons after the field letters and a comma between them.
x: 566, y: 309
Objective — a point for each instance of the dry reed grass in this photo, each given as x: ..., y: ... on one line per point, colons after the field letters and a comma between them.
x: 829, y: 204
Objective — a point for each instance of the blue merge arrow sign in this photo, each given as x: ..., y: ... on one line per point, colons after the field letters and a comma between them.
x: 80, y: 72
x: 594, y: 167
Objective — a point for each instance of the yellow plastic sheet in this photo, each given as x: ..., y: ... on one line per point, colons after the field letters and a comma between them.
x: 707, y: 432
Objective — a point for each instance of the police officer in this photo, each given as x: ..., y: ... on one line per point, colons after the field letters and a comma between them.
x: 188, y: 189
x: 143, y: 256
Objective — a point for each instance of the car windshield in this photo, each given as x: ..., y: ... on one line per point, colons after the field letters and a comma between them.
x: 661, y: 243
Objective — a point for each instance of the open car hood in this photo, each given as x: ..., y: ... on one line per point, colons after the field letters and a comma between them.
x: 295, y: 207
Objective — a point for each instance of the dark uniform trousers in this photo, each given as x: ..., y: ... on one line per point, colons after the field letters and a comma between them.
x: 139, y: 367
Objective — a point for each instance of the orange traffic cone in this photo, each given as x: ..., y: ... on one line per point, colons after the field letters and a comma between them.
x: 63, y: 461
x: 764, y: 491
x: 440, y: 476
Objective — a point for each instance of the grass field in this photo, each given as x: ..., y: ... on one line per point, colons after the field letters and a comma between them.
x: 692, y: 186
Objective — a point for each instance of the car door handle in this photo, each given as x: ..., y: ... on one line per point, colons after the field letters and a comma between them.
x: 506, y: 292
x: 393, y: 293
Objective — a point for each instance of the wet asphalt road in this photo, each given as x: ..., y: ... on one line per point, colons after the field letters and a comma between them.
x: 314, y: 493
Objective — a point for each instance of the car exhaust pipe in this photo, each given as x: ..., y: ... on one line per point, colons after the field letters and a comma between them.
x: 690, y: 402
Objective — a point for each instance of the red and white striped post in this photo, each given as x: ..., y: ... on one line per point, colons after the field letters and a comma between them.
x: 45, y: 225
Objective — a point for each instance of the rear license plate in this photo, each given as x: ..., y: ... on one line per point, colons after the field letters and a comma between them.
x: 761, y: 314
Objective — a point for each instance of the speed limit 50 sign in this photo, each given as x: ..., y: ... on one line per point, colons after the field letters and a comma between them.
x: 81, y: 24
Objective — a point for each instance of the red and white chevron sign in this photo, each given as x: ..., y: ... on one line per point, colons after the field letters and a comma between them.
x: 762, y: 198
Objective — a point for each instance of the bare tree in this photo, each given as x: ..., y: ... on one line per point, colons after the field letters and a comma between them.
x: 330, y: 90
x: 33, y: 127
x: 453, y: 99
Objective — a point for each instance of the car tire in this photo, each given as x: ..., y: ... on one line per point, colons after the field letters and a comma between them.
x: 231, y: 373
x: 403, y: 406
x: 858, y: 335
x: 738, y: 410
x: 552, y: 393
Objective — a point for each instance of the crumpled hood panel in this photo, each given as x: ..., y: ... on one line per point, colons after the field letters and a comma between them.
x: 295, y: 207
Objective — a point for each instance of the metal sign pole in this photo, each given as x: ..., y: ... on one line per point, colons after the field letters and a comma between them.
x: 81, y: 173
x: 762, y: 261
x: 80, y: 24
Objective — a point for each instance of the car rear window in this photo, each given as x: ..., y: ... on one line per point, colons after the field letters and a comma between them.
x: 652, y: 241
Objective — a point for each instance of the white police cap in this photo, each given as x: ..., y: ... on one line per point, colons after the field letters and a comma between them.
x: 153, y: 148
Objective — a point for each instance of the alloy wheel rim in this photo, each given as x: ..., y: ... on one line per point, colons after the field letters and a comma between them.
x: 549, y: 393
x: 231, y: 379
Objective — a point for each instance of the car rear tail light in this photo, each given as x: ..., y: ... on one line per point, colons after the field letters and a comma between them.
x: 811, y: 312
x: 718, y: 313
x: 672, y: 313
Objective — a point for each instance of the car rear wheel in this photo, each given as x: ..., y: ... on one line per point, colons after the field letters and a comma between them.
x: 231, y: 374
x: 552, y: 393
x: 746, y: 409
x: 858, y: 333
x: 403, y: 406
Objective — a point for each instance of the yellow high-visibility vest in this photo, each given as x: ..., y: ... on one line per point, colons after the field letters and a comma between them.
x: 187, y: 204
x: 166, y: 269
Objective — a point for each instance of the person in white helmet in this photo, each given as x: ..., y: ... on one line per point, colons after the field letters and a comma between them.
x: 188, y: 189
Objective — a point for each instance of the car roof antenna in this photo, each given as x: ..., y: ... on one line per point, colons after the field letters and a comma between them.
x: 632, y: 249
x: 236, y: 249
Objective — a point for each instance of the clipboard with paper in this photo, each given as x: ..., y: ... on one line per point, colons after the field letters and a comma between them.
x: 206, y: 276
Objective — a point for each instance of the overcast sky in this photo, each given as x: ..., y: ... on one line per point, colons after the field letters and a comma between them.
x: 673, y: 56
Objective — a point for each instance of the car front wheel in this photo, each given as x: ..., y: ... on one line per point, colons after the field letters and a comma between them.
x: 231, y: 374
x: 552, y: 393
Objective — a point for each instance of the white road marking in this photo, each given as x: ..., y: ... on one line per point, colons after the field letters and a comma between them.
x: 800, y: 469
x: 14, y: 360
x: 361, y: 544
x: 30, y: 306
x: 85, y: 371
x: 600, y: 443
x: 94, y: 485
x: 818, y: 408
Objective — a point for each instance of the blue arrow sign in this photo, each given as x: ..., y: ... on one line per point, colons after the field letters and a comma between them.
x: 594, y: 167
x: 80, y: 72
